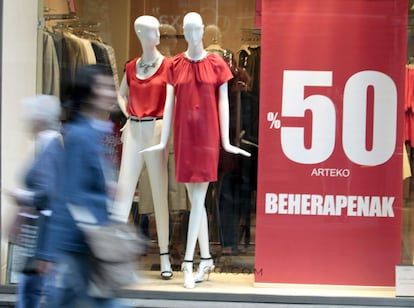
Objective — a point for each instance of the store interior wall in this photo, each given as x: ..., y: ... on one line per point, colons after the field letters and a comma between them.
x: 19, y: 62
x: 116, y: 20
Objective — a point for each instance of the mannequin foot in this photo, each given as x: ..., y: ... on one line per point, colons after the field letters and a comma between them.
x: 187, y: 269
x: 166, y: 271
x: 206, y: 267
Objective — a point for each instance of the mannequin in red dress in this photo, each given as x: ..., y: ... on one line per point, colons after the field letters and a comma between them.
x: 199, y: 125
x: 142, y: 97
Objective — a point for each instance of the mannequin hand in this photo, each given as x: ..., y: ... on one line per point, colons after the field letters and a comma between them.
x: 235, y: 150
x: 124, y: 127
x: 122, y: 104
x: 157, y: 147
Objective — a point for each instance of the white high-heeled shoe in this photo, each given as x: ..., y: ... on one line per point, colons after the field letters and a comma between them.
x: 206, y: 266
x: 187, y: 269
x: 166, y: 271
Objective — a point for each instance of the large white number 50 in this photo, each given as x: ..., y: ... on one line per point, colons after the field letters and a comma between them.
x: 294, y: 104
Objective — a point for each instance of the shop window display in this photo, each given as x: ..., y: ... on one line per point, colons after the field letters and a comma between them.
x: 231, y: 34
x: 81, y: 35
x: 90, y: 29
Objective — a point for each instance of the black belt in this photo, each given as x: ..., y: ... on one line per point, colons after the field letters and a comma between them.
x: 135, y: 119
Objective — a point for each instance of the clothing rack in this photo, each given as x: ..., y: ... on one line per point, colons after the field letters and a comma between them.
x: 83, y: 28
x: 86, y: 46
x: 68, y: 20
x: 78, y: 24
x: 251, y: 35
x: 59, y: 16
x: 54, y: 10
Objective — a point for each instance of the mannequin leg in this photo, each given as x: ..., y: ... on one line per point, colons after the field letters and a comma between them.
x: 196, y: 194
x: 206, y: 261
x: 131, y: 166
x: 157, y: 170
x: 200, y: 221
x: 203, y: 238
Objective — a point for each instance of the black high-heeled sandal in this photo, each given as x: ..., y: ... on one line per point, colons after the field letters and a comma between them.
x: 168, y: 274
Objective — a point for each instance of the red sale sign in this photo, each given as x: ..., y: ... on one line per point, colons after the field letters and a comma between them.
x: 329, y: 192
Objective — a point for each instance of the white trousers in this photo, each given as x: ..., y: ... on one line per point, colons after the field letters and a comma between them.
x: 137, y: 136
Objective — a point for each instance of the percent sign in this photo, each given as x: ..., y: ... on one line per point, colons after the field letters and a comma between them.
x: 272, y: 117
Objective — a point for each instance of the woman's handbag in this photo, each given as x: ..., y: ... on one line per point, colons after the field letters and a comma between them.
x: 114, y: 251
x: 23, y: 234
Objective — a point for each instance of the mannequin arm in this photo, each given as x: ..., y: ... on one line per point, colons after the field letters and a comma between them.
x: 166, y: 123
x: 123, y: 96
x: 224, y: 122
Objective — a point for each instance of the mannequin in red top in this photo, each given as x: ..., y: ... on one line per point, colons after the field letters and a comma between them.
x: 197, y: 97
x: 142, y: 98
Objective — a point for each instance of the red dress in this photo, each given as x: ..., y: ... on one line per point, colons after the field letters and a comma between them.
x: 196, y: 116
x: 146, y: 96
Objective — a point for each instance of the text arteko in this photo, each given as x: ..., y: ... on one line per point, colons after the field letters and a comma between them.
x: 329, y: 205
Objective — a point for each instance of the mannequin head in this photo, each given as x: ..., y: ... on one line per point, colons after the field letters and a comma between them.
x: 168, y: 30
x: 147, y: 30
x: 212, y: 35
x: 168, y: 41
x: 193, y: 28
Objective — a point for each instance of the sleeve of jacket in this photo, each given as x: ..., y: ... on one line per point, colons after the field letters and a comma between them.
x: 47, y: 194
